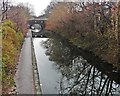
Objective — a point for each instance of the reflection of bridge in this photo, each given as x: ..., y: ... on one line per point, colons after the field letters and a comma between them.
x: 37, y: 21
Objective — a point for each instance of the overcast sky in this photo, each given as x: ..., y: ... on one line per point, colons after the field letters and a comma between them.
x: 39, y: 5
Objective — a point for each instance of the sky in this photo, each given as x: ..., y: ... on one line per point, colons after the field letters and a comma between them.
x: 38, y: 5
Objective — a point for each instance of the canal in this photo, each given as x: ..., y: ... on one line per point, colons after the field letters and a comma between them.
x: 47, y: 71
x: 65, y: 69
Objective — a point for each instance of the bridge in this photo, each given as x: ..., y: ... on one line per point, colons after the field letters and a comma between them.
x: 37, y: 26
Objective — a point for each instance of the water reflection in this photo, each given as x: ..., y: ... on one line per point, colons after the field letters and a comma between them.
x: 47, y: 70
x: 80, y: 76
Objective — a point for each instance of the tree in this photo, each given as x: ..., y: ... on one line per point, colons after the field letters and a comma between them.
x: 20, y: 14
x: 118, y: 31
x: 5, y: 5
x: 89, y: 26
x: 79, y: 75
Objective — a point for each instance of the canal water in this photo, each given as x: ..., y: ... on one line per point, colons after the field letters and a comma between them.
x: 65, y: 69
x: 48, y: 73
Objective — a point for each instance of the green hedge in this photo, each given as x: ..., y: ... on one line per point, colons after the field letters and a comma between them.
x: 11, y: 44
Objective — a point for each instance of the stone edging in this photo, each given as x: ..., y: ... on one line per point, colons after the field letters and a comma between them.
x: 35, y: 72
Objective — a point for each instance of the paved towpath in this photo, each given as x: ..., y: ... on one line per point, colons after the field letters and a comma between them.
x: 24, y: 74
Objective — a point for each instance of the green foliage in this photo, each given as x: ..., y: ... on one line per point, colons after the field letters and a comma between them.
x: 9, y: 23
x: 11, y: 44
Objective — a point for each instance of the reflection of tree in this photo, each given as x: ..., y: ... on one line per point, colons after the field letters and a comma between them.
x: 58, y: 50
x: 77, y: 75
x: 86, y: 79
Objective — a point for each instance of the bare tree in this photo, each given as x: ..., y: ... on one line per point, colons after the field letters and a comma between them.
x: 4, y: 5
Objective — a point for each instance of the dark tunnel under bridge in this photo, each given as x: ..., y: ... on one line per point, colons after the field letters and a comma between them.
x: 37, y: 27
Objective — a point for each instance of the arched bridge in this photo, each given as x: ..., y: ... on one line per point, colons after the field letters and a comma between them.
x: 37, y: 26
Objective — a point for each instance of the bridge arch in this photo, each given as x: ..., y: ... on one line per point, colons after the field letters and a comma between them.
x: 32, y: 23
x: 40, y: 22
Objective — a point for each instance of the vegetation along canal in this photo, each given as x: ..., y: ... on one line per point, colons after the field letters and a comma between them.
x: 66, y: 69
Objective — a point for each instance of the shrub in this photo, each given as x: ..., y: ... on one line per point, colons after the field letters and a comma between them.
x: 11, y: 43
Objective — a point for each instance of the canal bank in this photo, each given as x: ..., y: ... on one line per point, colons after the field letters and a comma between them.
x: 27, y: 81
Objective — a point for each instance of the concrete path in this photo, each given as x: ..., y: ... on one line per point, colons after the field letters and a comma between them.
x: 24, y: 74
